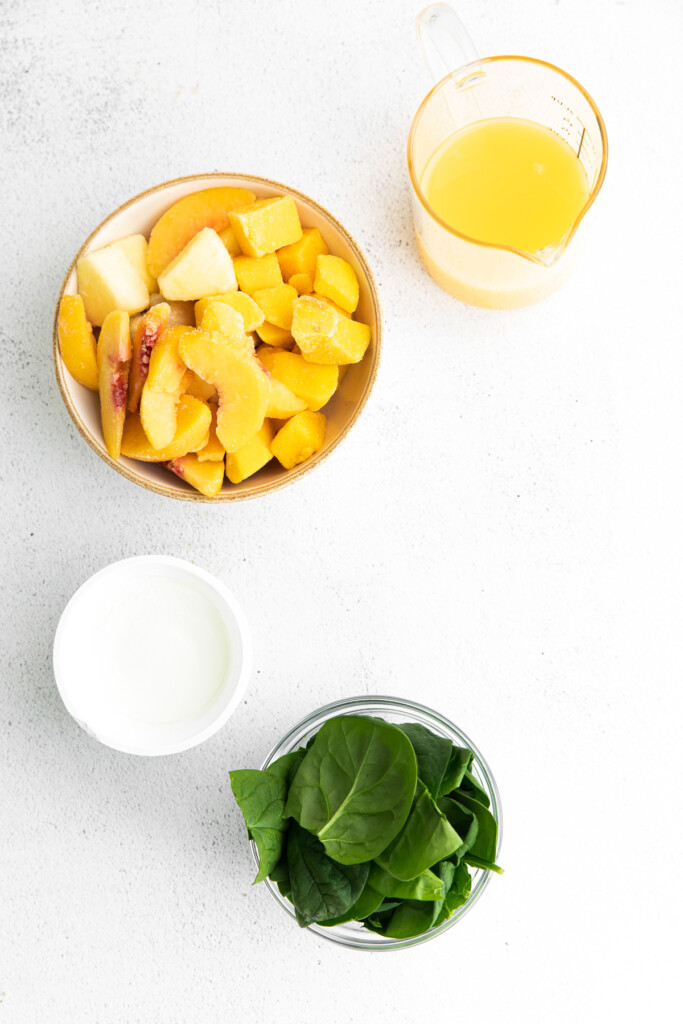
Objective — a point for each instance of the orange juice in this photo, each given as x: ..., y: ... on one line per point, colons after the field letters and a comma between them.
x: 507, y: 181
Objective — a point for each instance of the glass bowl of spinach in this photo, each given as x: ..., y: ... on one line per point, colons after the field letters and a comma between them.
x: 336, y: 786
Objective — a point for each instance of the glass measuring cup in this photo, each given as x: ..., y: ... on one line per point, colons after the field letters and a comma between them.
x: 483, y: 273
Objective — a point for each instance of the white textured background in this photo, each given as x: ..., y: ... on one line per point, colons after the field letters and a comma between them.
x: 497, y: 538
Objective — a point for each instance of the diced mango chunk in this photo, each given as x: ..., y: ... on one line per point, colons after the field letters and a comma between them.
x: 203, y: 267
x: 229, y: 240
x: 251, y: 314
x: 276, y: 304
x: 273, y: 335
x: 282, y: 403
x: 336, y: 279
x: 266, y: 225
x: 315, y: 384
x: 301, y: 437
x: 205, y: 477
x: 301, y: 256
x: 302, y: 283
x: 252, y: 273
x: 326, y: 335
x: 251, y: 457
x: 77, y: 342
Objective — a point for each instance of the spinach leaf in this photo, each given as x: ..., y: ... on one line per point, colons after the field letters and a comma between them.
x: 411, y: 918
x: 427, y: 885
x: 432, y: 753
x: 458, y: 763
x: 378, y: 921
x: 463, y: 821
x: 286, y: 766
x: 458, y: 893
x: 280, y: 872
x: 321, y: 887
x: 426, y: 838
x: 470, y: 785
x: 367, y: 903
x: 354, y: 787
x: 261, y: 797
x: 482, y: 853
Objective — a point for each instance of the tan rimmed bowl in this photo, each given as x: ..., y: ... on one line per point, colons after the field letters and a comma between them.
x: 139, y: 215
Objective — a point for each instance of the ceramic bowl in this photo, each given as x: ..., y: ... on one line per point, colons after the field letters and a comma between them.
x: 139, y: 215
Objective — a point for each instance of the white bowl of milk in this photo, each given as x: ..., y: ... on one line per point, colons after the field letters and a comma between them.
x: 152, y: 655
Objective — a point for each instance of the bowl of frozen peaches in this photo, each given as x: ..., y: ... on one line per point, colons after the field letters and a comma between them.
x: 216, y: 337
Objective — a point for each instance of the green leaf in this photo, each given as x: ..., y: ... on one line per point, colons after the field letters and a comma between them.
x: 321, y: 887
x: 432, y: 753
x: 286, y: 766
x: 427, y: 886
x: 458, y: 763
x: 470, y: 785
x: 367, y: 903
x: 426, y: 838
x: 261, y: 797
x: 482, y: 853
x: 458, y: 893
x: 354, y: 787
x: 464, y: 821
x: 411, y: 918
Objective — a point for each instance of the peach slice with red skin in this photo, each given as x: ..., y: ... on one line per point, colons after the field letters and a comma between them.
x: 205, y: 477
x: 77, y: 342
x: 113, y: 363
x: 165, y: 384
x: 239, y: 379
x: 192, y: 426
x: 147, y: 333
x: 209, y: 208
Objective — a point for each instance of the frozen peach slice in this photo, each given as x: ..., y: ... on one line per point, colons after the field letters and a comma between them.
x: 250, y: 457
x: 266, y: 225
x: 163, y: 388
x: 273, y: 335
x: 239, y: 379
x: 314, y: 384
x: 300, y: 257
x: 205, y: 477
x: 198, y: 388
x: 204, y: 267
x: 113, y: 363
x: 194, y: 420
x: 336, y: 279
x: 77, y: 342
x: 209, y: 208
x: 254, y: 273
x: 252, y: 315
x: 147, y: 333
x: 301, y: 437
x: 282, y: 403
x: 219, y: 318
x: 326, y: 335
x: 107, y: 280
x: 277, y: 303
x: 213, y: 450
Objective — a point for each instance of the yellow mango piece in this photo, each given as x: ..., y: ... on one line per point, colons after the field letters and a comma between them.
x: 251, y: 457
x: 301, y: 256
x: 205, y: 477
x: 273, y: 335
x: 315, y: 384
x: 276, y: 304
x: 282, y: 403
x: 302, y: 283
x: 251, y: 314
x: 213, y: 450
x: 77, y: 342
x: 194, y: 420
x: 254, y: 273
x: 301, y: 437
x: 266, y: 225
x: 336, y: 279
x: 229, y: 240
x: 327, y: 336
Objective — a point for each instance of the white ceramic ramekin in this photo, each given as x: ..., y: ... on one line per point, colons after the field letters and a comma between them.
x: 138, y: 737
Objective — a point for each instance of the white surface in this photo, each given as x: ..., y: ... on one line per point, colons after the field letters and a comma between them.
x: 498, y: 537
x: 173, y: 651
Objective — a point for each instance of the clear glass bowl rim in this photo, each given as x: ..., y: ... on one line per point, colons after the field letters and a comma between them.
x: 374, y: 705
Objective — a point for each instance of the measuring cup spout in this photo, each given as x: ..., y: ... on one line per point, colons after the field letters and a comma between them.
x: 445, y: 42
x: 549, y: 256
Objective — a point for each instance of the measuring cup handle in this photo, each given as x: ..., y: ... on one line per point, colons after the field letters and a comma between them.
x: 446, y: 43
